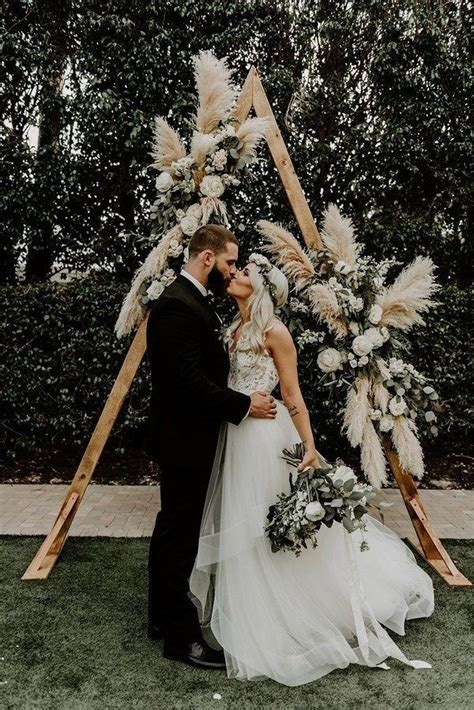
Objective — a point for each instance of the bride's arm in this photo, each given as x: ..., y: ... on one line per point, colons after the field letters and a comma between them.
x: 282, y: 348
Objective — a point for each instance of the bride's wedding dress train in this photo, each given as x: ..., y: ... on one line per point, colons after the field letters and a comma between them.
x: 293, y: 619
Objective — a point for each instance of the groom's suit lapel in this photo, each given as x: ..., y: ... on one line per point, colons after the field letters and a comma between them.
x: 211, y: 316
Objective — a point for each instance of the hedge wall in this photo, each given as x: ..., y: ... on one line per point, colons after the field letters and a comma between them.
x: 60, y: 357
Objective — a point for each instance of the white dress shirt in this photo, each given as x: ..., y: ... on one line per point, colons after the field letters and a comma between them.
x: 204, y: 292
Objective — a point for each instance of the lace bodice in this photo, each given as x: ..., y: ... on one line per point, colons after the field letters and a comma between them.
x: 248, y: 374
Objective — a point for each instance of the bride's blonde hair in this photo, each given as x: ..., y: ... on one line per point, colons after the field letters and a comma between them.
x: 270, y: 291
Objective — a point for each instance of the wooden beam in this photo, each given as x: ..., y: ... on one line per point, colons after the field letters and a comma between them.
x: 285, y: 168
x: 47, y: 555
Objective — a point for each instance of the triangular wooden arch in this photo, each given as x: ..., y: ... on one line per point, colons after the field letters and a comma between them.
x: 428, y: 544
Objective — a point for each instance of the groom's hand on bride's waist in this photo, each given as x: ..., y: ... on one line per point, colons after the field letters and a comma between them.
x: 262, y: 406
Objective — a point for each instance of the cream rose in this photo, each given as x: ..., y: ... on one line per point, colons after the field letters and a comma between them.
x: 386, y: 423
x: 189, y: 224
x: 397, y: 406
x: 314, y: 511
x: 155, y: 289
x: 375, y: 314
x: 342, y: 473
x: 375, y: 337
x: 164, y: 182
x: 212, y: 186
x: 329, y: 360
x: 362, y: 345
x: 175, y: 248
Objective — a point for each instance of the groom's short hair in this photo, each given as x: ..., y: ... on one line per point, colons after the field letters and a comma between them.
x: 210, y: 236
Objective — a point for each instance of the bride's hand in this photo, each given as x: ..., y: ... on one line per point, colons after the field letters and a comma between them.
x: 311, y: 458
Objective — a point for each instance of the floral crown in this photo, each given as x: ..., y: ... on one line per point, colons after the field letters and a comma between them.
x: 265, y: 268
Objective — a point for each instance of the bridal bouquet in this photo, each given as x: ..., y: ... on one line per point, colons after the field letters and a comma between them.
x: 317, y: 497
x: 194, y: 180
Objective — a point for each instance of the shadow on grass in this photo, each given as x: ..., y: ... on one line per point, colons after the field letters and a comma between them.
x: 78, y: 640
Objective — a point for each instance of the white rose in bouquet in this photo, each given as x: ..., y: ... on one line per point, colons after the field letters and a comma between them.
x: 212, y: 186
x: 386, y: 423
x: 155, y: 289
x: 329, y: 360
x: 397, y: 406
x: 375, y: 314
x: 356, y: 304
x: 375, y: 336
x: 362, y: 345
x: 314, y: 511
x: 189, y: 224
x: 342, y: 473
x: 164, y: 182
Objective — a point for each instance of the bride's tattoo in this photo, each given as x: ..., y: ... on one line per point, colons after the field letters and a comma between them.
x: 293, y: 410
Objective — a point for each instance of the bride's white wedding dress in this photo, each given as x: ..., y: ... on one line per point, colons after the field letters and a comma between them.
x: 293, y: 619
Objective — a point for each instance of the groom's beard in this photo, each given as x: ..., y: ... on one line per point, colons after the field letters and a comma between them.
x: 217, y: 282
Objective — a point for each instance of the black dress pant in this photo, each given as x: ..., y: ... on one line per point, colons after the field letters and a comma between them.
x: 173, y: 550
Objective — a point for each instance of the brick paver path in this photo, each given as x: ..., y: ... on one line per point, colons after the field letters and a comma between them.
x: 130, y: 511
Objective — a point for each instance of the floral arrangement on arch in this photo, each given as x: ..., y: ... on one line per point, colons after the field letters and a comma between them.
x: 344, y: 309
x: 192, y: 184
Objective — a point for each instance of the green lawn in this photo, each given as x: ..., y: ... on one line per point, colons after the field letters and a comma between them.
x: 78, y: 641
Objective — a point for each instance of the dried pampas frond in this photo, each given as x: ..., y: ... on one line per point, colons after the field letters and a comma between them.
x: 201, y: 145
x: 289, y: 255
x: 372, y: 457
x: 215, y: 89
x: 381, y: 396
x: 325, y: 305
x: 212, y: 205
x: 131, y: 312
x: 167, y: 146
x: 410, y: 453
x: 357, y: 409
x: 338, y: 236
x: 409, y: 295
x: 383, y: 368
x: 250, y: 133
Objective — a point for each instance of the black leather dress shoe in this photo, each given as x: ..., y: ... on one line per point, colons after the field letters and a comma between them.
x: 154, y: 633
x: 200, y: 655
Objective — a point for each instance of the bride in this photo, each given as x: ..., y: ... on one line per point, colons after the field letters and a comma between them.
x: 292, y: 619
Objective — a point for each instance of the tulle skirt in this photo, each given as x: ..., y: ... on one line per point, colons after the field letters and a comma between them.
x: 295, y: 619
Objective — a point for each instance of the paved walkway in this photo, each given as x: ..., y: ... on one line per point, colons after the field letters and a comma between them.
x: 130, y: 511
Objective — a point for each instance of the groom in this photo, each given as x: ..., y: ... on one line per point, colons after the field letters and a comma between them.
x: 189, y: 401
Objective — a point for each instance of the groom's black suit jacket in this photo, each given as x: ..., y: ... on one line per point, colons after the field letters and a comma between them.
x: 189, y: 369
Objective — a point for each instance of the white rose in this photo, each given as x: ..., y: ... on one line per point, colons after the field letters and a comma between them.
x: 174, y: 248
x: 329, y: 360
x: 334, y: 284
x: 155, y: 289
x: 342, y: 268
x: 168, y: 276
x: 164, y: 182
x: 386, y: 423
x: 189, y: 224
x: 342, y: 473
x: 363, y: 360
x: 314, y: 511
x: 194, y: 210
x: 354, y: 328
x: 375, y: 314
x: 356, y: 304
x: 362, y: 345
x: 212, y: 186
x: 396, y: 366
x: 397, y: 407
x: 375, y: 337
